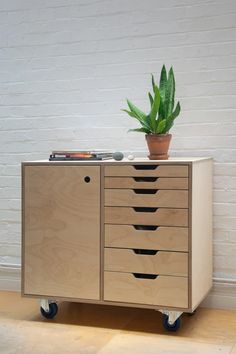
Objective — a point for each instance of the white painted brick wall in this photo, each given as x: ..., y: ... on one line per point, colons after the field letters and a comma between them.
x: 66, y: 67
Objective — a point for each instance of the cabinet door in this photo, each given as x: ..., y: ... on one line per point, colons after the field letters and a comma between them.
x: 61, y: 231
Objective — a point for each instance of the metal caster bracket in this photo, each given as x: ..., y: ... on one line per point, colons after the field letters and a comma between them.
x: 44, y: 303
x: 172, y: 315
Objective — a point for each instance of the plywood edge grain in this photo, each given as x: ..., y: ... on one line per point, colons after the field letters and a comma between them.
x: 102, y: 232
x: 22, y: 228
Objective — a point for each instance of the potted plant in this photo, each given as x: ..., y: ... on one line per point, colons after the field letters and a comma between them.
x: 158, y: 122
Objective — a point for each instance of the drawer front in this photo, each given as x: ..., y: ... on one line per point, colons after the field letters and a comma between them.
x: 140, y: 216
x: 146, y: 198
x: 146, y: 182
x: 148, y: 170
x: 146, y: 261
x: 147, y: 237
x: 162, y: 291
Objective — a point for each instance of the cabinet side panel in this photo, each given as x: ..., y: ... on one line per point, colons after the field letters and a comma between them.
x: 201, y: 230
x: 62, y: 231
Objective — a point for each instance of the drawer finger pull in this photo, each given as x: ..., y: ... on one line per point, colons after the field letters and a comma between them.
x: 145, y: 252
x: 145, y: 209
x: 145, y: 276
x: 145, y: 227
x: 145, y: 191
x: 87, y: 179
x: 145, y: 179
x: 145, y: 167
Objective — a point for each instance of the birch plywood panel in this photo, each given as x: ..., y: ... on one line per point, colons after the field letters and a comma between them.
x: 157, y: 198
x: 62, y: 231
x: 201, y: 241
x: 160, y: 238
x: 161, y: 216
x: 146, y: 182
x: 163, y: 291
x: 133, y: 261
x: 153, y: 170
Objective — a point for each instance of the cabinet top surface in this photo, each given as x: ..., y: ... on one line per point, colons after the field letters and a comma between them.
x: 142, y: 160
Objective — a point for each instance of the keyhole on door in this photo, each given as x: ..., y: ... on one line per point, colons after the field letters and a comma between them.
x: 87, y: 179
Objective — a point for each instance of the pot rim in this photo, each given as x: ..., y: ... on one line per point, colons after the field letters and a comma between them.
x: 156, y: 136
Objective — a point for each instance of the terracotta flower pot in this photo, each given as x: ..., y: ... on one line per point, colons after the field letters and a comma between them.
x: 158, y: 145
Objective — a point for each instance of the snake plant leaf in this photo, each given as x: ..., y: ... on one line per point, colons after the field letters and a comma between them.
x: 136, y: 110
x: 143, y: 122
x: 171, y: 118
x: 163, y: 88
x: 150, y: 98
x: 169, y: 125
x: 170, y: 93
x: 138, y: 114
x: 154, y: 109
x: 149, y: 124
x: 161, y: 126
x: 163, y: 79
x: 140, y: 130
x: 153, y: 83
x: 131, y: 114
x: 176, y: 111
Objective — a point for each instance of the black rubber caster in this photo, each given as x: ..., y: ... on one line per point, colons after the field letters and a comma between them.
x: 53, y: 308
x: 171, y: 327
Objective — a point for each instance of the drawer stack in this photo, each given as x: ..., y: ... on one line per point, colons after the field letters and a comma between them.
x: 146, y: 234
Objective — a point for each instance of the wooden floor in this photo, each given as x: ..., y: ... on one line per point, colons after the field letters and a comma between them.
x: 90, y: 329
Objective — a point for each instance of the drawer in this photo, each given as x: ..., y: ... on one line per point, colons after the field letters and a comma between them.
x: 146, y: 198
x: 146, y: 261
x: 161, y: 290
x: 147, y: 237
x: 146, y: 182
x: 148, y: 170
x: 146, y: 216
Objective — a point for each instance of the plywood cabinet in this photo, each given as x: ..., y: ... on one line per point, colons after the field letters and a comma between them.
x: 122, y: 233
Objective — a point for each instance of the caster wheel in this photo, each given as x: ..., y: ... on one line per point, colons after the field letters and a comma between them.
x: 53, y: 308
x: 170, y: 327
